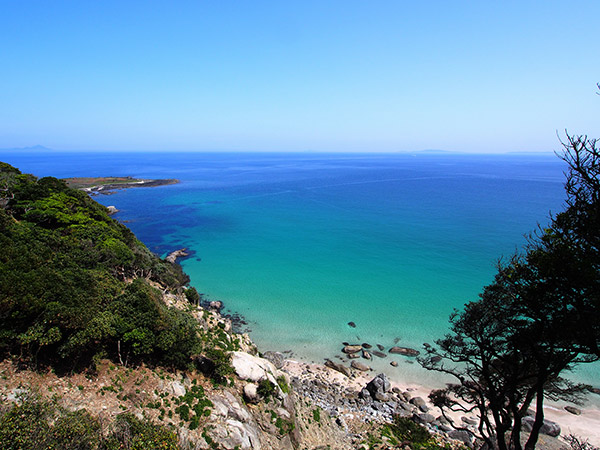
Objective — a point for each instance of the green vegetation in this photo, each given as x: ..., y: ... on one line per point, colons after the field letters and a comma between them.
x: 38, y: 424
x: 265, y: 389
x: 193, y: 406
x: 404, y: 433
x: 316, y: 414
x: 76, y: 286
x: 285, y: 388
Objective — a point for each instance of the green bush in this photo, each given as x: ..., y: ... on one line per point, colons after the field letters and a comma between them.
x: 265, y: 389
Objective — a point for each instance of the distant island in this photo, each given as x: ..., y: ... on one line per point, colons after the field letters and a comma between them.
x: 104, y: 185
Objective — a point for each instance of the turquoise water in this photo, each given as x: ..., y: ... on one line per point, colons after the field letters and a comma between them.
x: 302, y: 244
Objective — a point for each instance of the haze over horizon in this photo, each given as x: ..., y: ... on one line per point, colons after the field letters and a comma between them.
x: 301, y: 77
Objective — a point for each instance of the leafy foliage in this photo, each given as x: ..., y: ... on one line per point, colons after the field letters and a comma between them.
x: 38, y: 424
x: 76, y: 285
x: 539, y: 318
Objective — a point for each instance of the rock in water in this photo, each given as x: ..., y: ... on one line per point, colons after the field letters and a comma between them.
x: 379, y: 354
x: 380, y: 347
x: 366, y: 354
x: 404, y: 351
x: 394, y: 364
x: 171, y: 257
x: 352, y: 324
x: 352, y: 348
x: 367, y: 346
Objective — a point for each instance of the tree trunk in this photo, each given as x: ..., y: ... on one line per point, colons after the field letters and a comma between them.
x: 539, y: 418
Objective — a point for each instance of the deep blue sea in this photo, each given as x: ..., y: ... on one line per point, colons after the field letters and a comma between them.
x: 302, y: 244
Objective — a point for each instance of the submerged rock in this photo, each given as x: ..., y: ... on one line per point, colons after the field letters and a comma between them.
x: 379, y: 354
x: 404, y: 351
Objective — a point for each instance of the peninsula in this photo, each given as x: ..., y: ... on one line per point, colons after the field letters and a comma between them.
x: 105, y: 185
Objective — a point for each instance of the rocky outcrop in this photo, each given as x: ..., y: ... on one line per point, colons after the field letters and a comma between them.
x: 252, y: 368
x: 172, y: 257
x: 276, y: 358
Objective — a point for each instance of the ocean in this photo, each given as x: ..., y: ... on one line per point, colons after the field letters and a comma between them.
x: 302, y: 244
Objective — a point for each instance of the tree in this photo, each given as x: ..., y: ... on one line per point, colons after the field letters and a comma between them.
x: 539, y: 318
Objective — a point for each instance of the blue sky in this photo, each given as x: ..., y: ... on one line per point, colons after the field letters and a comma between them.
x: 298, y: 76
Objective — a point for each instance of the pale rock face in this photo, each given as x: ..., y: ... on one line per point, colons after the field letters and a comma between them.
x: 177, y: 388
x: 234, y: 434
x: 253, y: 368
x: 228, y: 406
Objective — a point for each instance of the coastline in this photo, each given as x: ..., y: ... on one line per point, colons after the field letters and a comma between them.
x: 106, y: 185
x: 586, y: 425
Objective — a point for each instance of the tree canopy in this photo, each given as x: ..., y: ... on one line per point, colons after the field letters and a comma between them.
x: 77, y: 285
x: 539, y: 317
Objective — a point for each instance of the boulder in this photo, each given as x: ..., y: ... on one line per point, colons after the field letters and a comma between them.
x: 215, y: 305
x: 339, y: 367
x: 251, y: 393
x: 423, y: 418
x: 360, y: 366
x: 366, y: 354
x: 548, y: 427
x: 379, y: 354
x: 380, y: 347
x: 352, y: 348
x: 394, y: 364
x: 253, y: 368
x: 367, y: 346
x: 419, y: 403
x: 352, y: 324
x: 573, y: 410
x: 378, y: 385
x: 404, y: 351
x: 276, y: 358
x: 352, y: 356
x: 112, y: 210
x: 461, y: 435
